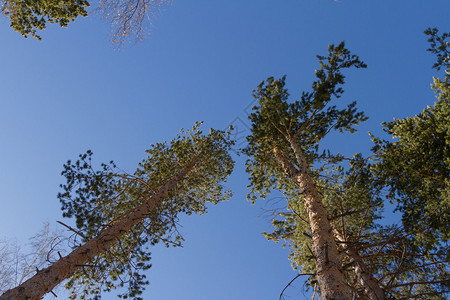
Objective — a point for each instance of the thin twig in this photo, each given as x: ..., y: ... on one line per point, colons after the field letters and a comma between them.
x: 72, y: 229
x: 308, y: 274
x: 314, y: 294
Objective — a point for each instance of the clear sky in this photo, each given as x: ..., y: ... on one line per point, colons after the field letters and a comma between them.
x: 73, y: 91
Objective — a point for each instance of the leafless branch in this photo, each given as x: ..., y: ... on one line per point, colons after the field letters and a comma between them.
x: 290, y: 282
x: 72, y: 229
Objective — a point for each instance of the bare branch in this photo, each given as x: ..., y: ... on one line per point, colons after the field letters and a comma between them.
x: 290, y: 282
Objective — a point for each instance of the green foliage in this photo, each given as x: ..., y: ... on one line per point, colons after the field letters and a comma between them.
x: 416, y: 170
x: 306, y: 121
x: 440, y: 47
x: 353, y: 202
x: 100, y: 198
x: 128, y: 19
x: 416, y: 166
x: 276, y: 122
x: 29, y: 16
x: 409, y: 261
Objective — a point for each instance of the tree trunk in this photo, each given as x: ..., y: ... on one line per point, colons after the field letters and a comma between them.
x: 330, y: 275
x: 45, y: 280
x: 365, y: 278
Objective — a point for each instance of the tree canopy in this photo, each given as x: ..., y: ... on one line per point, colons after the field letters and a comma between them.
x: 283, y: 155
x: 101, y: 198
x: 401, y: 261
x: 416, y: 167
x: 120, y: 215
x: 127, y: 17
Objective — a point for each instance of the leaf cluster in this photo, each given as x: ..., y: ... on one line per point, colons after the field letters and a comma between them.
x: 29, y: 16
x: 440, y: 47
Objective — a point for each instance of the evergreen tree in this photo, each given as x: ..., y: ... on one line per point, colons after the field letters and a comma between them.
x: 283, y: 152
x: 416, y: 167
x: 376, y: 262
x: 353, y: 204
x: 120, y: 215
x: 415, y: 171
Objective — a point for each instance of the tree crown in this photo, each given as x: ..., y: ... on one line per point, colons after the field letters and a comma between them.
x: 101, y: 198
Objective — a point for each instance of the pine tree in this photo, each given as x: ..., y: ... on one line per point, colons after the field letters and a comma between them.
x: 408, y: 261
x: 283, y: 150
x: 119, y: 215
x: 416, y: 167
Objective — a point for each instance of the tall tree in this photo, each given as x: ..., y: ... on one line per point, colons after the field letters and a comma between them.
x: 415, y: 171
x: 353, y: 204
x: 120, y: 215
x: 378, y: 262
x: 283, y: 149
x: 416, y: 167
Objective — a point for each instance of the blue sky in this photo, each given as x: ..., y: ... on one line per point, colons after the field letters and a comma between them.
x: 73, y: 91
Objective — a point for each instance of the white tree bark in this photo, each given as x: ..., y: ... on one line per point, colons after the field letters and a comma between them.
x: 330, y: 274
x: 364, y: 276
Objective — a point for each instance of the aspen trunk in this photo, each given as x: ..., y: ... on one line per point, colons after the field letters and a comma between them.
x: 365, y: 278
x: 330, y: 275
x: 45, y: 280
